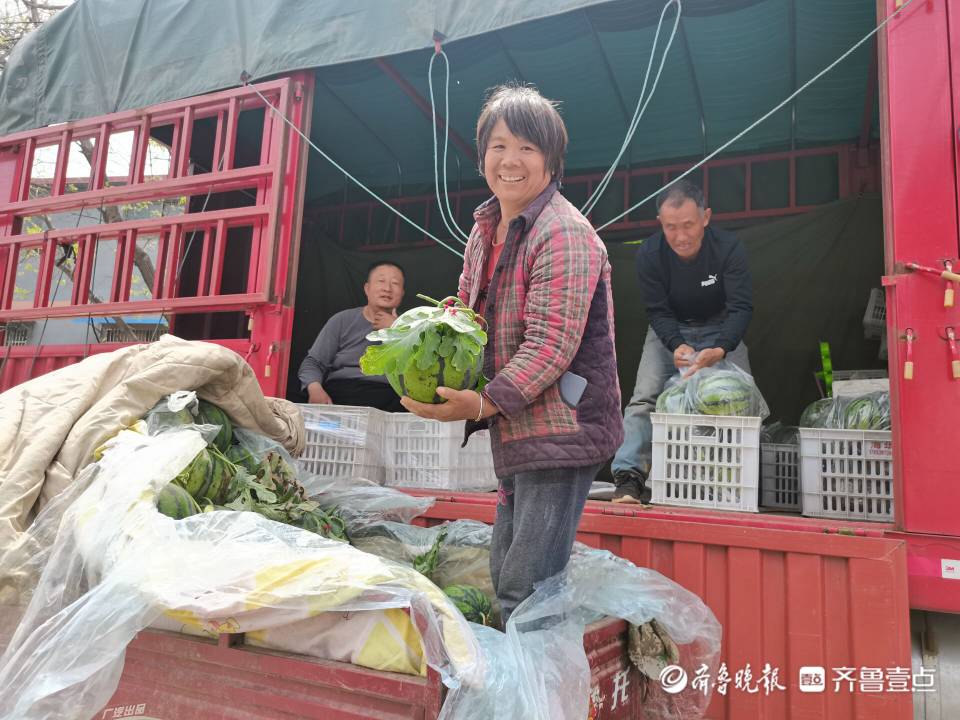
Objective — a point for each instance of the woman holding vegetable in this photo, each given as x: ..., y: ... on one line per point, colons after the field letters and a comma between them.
x: 536, y: 270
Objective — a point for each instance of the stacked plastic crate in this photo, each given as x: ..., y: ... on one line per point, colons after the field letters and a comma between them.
x: 706, y: 461
x: 428, y: 454
x: 396, y: 449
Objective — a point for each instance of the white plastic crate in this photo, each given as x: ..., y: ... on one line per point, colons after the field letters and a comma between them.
x: 875, y: 317
x: 780, y: 476
x: 847, y: 474
x: 422, y: 453
x: 343, y: 442
x: 706, y: 461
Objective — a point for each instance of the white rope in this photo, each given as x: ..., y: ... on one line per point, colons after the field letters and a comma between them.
x: 452, y: 227
x: 757, y: 122
x: 351, y: 177
x: 641, y: 104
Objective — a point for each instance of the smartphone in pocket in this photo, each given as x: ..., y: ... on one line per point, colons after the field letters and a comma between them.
x: 572, y: 387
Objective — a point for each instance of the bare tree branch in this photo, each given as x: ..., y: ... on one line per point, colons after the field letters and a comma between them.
x: 19, y: 18
x: 34, y: 8
x: 110, y: 214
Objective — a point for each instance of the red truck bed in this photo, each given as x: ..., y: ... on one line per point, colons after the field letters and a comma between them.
x: 168, y: 676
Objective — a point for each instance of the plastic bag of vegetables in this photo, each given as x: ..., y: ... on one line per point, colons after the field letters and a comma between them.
x: 721, y: 389
x: 870, y: 411
x: 428, y: 347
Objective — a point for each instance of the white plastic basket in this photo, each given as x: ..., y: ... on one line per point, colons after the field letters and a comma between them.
x: 875, y: 317
x: 422, y: 453
x: 343, y: 442
x: 847, y: 474
x: 780, y: 476
x: 706, y: 461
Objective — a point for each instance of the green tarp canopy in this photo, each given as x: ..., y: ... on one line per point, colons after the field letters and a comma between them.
x: 731, y: 61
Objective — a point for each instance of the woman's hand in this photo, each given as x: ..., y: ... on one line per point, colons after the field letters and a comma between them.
x: 459, y: 405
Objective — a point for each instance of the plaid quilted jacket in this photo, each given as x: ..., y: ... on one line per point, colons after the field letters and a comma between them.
x: 549, y: 308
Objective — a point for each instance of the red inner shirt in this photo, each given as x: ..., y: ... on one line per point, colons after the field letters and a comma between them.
x: 492, y: 259
x: 495, y: 251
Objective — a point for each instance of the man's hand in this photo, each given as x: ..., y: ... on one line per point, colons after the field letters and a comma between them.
x: 459, y: 405
x: 383, y: 319
x: 317, y: 395
x: 682, y: 356
x: 704, y: 359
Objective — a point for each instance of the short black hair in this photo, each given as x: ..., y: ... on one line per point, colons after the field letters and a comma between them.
x: 380, y: 263
x: 529, y: 115
x: 679, y: 193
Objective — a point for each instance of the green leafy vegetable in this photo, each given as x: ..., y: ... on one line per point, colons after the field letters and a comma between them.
x: 428, y: 347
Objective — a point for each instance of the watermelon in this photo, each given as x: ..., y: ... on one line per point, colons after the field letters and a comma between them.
x: 207, y: 476
x: 471, y: 601
x: 173, y: 501
x: 726, y: 392
x: 427, y: 347
x: 817, y: 413
x: 239, y: 455
x: 673, y: 400
x: 210, y: 414
x: 866, y: 412
x: 421, y: 385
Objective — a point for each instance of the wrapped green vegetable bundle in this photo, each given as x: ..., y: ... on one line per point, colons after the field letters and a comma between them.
x: 429, y: 347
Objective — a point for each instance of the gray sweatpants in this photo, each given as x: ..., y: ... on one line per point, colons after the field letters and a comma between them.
x: 537, y: 517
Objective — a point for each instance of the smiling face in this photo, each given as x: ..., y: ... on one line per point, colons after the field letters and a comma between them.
x: 683, y: 226
x: 384, y: 287
x: 515, y: 170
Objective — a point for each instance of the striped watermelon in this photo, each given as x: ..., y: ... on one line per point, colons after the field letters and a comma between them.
x: 421, y: 385
x: 207, y: 476
x: 673, y: 400
x: 817, y: 414
x: 726, y: 393
x: 471, y: 601
x: 210, y: 414
x: 173, y: 501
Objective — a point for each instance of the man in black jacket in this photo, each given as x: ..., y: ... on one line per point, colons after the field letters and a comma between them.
x: 696, y: 286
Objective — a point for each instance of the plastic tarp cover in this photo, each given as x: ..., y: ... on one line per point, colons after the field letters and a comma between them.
x: 102, y: 56
x: 107, y: 564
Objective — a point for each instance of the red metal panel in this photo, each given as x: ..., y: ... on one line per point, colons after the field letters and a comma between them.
x: 785, y: 597
x: 119, y: 194
x: 933, y: 564
x: 177, y: 677
x: 273, y: 324
x: 845, y: 155
x: 920, y: 222
x: 21, y: 363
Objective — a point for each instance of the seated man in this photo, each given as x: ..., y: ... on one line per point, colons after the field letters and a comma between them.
x: 330, y: 373
x: 696, y: 285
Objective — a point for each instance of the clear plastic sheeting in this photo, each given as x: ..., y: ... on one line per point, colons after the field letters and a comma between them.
x: 538, y: 670
x: 102, y: 564
x: 721, y: 389
x: 870, y: 411
x: 111, y: 564
x: 463, y: 559
x: 363, y: 503
x: 778, y: 433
